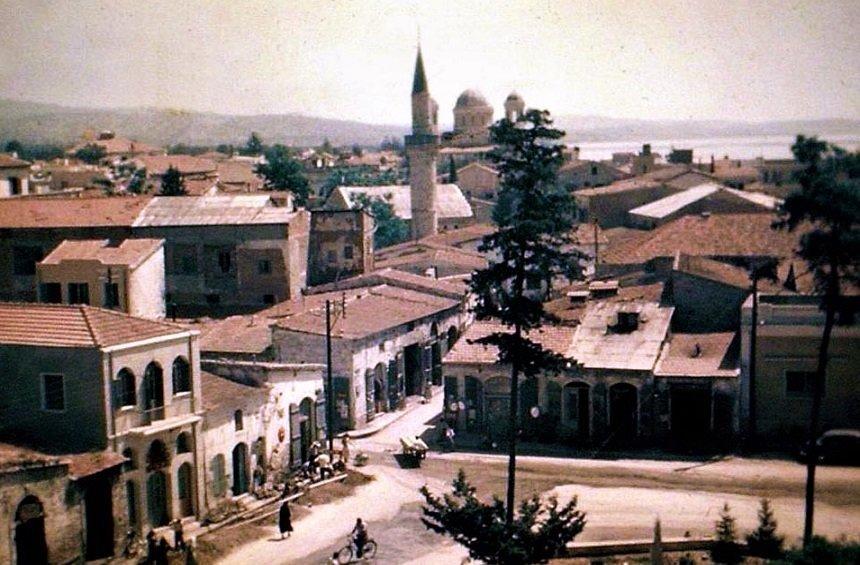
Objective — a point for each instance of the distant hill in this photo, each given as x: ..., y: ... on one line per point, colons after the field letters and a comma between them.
x: 48, y: 123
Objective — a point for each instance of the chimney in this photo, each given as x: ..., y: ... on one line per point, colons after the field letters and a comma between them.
x: 576, y: 153
x: 712, y: 168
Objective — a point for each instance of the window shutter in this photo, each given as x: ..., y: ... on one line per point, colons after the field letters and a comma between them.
x: 321, y: 420
x: 295, y: 436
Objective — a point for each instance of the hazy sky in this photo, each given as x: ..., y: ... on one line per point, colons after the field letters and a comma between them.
x: 751, y: 60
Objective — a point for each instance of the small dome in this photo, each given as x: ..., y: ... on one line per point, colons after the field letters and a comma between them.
x: 514, y: 97
x: 471, y: 99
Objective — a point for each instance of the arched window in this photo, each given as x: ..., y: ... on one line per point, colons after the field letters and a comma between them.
x: 452, y: 337
x: 238, y: 420
x: 30, y: 543
x: 157, y: 457
x: 153, y: 387
x: 183, y: 444
x: 219, y: 475
x: 181, y: 376
x: 126, y: 393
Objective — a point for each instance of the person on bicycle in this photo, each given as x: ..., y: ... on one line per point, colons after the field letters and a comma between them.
x: 359, y: 536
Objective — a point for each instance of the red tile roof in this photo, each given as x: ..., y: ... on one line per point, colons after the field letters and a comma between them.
x: 717, y: 235
x: 9, y: 162
x: 558, y: 339
x: 186, y: 164
x: 221, y: 391
x: 71, y: 212
x: 63, y: 325
x: 83, y: 465
x: 371, y: 311
x: 14, y: 457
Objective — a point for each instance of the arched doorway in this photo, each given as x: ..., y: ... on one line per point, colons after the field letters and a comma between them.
x: 452, y: 336
x: 306, y: 410
x: 240, y: 469
x: 474, y: 397
x: 623, y: 402
x: 31, y: 548
x: 185, y: 489
x: 497, y: 398
x: 576, y: 413
x: 379, y: 388
x: 156, y: 499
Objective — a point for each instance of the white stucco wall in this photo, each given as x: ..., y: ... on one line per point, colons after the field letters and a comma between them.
x: 146, y: 287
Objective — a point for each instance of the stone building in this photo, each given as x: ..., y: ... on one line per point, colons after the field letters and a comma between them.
x: 341, y: 245
x: 14, y: 176
x: 787, y: 341
x: 387, y: 343
x: 82, y: 378
x: 221, y: 252
x: 628, y: 381
x: 123, y: 275
x: 59, y: 508
x: 478, y: 181
x: 473, y: 116
x: 579, y: 173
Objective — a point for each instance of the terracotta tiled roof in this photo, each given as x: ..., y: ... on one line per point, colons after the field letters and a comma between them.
x: 131, y: 252
x: 558, y: 339
x: 220, y: 391
x: 186, y: 164
x: 459, y: 236
x: 71, y: 212
x: 83, y: 465
x: 63, y: 325
x: 371, y: 311
x: 9, y: 162
x: 18, y: 457
x: 700, y: 355
x: 394, y: 277
x: 236, y: 334
x: 717, y: 235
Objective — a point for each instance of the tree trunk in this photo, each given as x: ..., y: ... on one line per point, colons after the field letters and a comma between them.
x: 513, y: 429
x: 831, y: 299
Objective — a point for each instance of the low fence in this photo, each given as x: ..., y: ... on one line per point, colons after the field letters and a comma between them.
x: 634, y: 547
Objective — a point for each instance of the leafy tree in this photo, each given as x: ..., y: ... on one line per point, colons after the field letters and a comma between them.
x: 172, y: 183
x: 326, y: 146
x: 827, y: 205
x: 726, y: 549
x: 254, y: 145
x: 452, y: 170
x: 539, y: 532
x: 226, y: 149
x: 763, y: 541
x: 391, y: 144
x: 357, y: 176
x: 388, y: 228
x: 529, y: 248
x: 357, y: 150
x: 137, y: 181
x: 91, y: 153
x: 14, y: 146
x: 281, y: 172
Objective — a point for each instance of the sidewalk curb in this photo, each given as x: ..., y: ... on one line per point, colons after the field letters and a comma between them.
x: 371, y: 430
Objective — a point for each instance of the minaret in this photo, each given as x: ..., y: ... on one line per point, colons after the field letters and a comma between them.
x: 422, y: 148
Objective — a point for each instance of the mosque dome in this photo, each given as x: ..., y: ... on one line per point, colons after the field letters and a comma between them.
x: 514, y: 97
x: 471, y: 99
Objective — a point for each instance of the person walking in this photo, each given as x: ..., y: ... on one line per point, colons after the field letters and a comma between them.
x: 178, y: 535
x: 344, y: 449
x: 161, y: 557
x: 285, y: 519
x: 151, y: 547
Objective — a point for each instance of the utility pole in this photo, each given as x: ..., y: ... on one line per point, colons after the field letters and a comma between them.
x: 751, y: 432
x: 596, y: 248
x: 330, y: 380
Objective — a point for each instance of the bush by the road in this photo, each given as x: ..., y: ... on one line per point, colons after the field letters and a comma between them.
x: 539, y: 531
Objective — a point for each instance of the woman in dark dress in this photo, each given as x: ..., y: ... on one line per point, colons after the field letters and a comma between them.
x: 285, y: 519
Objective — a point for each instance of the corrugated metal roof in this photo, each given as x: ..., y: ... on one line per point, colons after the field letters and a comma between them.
x: 212, y: 210
x: 450, y: 202
x: 671, y: 204
x: 129, y: 252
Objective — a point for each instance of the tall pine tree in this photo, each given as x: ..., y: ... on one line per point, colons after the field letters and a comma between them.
x: 172, y: 183
x: 530, y: 249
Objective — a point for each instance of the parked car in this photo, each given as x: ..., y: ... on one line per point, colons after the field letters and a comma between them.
x: 836, y: 447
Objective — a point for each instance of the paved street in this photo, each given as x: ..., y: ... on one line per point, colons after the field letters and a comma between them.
x: 621, y: 497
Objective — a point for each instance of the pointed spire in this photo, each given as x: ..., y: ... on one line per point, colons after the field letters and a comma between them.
x: 419, y: 82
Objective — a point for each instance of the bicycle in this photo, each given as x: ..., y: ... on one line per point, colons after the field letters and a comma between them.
x: 348, y: 552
